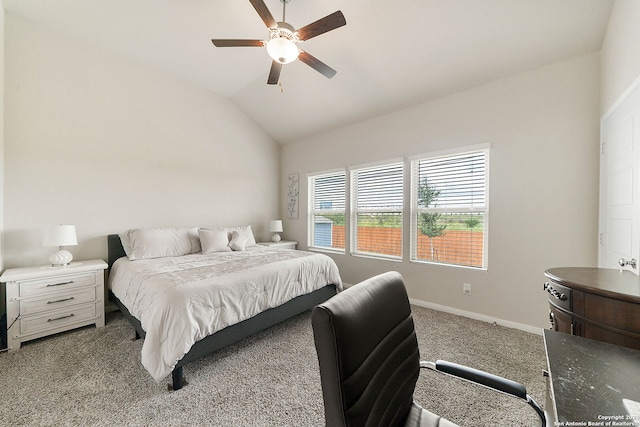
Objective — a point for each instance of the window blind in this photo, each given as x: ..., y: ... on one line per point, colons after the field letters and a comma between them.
x: 459, y: 180
x: 377, y: 205
x: 450, y: 211
x: 326, y: 225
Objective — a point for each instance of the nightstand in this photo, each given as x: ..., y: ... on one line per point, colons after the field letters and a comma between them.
x: 282, y: 244
x: 46, y: 300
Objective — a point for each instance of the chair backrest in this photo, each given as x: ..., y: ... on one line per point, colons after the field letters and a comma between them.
x: 368, y: 353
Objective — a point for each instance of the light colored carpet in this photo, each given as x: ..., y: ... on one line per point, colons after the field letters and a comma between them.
x: 94, y: 377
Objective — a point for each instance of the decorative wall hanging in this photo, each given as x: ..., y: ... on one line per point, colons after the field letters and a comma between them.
x: 292, y: 194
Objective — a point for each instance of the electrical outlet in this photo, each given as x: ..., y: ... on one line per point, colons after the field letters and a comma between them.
x: 466, y: 288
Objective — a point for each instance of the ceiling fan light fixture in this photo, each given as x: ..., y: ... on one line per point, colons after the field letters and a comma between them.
x: 282, y: 50
x: 282, y: 43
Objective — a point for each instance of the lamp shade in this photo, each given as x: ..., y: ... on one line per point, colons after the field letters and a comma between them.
x: 275, y: 226
x: 60, y: 235
x: 282, y: 50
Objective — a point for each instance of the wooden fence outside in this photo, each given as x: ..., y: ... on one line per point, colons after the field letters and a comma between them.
x: 460, y: 247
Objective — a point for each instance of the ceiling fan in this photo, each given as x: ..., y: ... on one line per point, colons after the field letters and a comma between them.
x: 282, y: 44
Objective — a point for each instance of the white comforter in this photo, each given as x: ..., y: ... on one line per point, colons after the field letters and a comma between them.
x: 180, y: 300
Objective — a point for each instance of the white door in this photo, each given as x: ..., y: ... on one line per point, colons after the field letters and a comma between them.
x: 620, y: 184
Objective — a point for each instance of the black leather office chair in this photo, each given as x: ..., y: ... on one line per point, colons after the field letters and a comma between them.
x: 369, y: 360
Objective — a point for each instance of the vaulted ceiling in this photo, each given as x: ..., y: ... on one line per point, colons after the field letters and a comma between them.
x: 390, y: 54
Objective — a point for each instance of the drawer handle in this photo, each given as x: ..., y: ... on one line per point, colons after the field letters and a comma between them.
x: 60, y: 318
x: 547, y: 287
x: 60, y: 284
x: 61, y: 300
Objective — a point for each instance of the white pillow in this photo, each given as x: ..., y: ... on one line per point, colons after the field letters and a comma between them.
x: 195, y: 240
x: 245, y: 232
x: 238, y: 241
x: 124, y: 239
x: 159, y: 242
x: 214, y: 240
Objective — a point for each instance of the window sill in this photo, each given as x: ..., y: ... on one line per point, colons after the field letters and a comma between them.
x: 376, y: 257
x: 326, y: 250
x: 442, y: 264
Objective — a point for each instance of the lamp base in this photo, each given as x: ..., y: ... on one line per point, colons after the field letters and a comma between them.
x: 60, y: 258
x: 275, y: 238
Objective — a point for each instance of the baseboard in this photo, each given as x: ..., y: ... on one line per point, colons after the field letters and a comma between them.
x: 477, y: 316
x: 470, y: 314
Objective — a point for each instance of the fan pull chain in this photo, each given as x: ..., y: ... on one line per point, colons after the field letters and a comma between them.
x: 281, y: 87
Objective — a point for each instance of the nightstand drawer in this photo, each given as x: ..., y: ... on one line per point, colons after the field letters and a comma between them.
x: 57, y: 319
x: 57, y: 301
x: 56, y: 284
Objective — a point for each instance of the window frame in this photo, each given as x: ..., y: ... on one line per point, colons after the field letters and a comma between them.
x: 415, y: 209
x: 355, y: 210
x: 312, y: 211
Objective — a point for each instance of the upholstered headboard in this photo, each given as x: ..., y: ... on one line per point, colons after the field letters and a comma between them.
x: 114, y: 249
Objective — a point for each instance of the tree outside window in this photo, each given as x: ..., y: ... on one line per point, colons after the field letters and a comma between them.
x: 430, y: 224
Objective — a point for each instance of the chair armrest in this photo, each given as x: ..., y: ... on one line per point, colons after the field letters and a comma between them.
x: 486, y: 379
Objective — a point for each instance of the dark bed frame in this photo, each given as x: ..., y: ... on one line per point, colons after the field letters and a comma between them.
x: 230, y: 334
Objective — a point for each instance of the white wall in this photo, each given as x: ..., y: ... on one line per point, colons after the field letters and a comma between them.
x: 1, y: 136
x: 2, y: 301
x: 543, y: 128
x: 106, y: 144
x: 620, y: 52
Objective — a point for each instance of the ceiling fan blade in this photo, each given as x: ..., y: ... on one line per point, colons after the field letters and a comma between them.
x: 264, y: 13
x: 274, y: 73
x: 322, y: 25
x: 236, y: 42
x: 316, y: 64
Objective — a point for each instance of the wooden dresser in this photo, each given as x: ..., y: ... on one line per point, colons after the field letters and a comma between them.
x: 597, y: 303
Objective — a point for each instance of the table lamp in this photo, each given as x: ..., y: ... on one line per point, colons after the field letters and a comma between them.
x: 275, y: 227
x: 60, y: 236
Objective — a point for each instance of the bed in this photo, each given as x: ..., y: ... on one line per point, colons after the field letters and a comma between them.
x: 309, y: 279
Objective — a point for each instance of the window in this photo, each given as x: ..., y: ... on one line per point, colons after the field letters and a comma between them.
x: 326, y: 225
x: 449, y: 218
x: 376, y: 210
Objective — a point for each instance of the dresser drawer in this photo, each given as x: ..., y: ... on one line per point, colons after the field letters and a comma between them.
x: 57, y: 319
x: 621, y: 315
x: 559, y: 295
x: 57, y: 301
x: 56, y: 284
x: 604, y: 302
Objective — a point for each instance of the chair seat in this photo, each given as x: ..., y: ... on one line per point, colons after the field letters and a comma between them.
x: 420, y: 417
